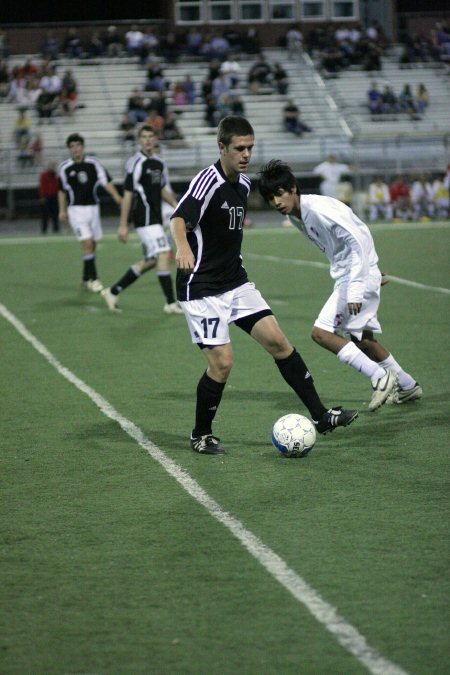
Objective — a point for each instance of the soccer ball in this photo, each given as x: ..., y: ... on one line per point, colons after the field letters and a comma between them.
x: 294, y: 435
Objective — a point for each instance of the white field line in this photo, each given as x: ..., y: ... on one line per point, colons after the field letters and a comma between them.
x: 325, y: 266
x: 347, y: 636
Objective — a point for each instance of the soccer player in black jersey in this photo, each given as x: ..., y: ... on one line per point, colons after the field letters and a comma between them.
x: 146, y: 184
x: 79, y: 204
x: 214, y: 290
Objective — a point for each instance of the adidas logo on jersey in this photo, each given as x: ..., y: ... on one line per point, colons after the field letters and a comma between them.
x: 225, y: 205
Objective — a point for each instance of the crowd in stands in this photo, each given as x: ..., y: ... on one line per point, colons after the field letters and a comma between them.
x: 386, y: 102
x: 418, y: 197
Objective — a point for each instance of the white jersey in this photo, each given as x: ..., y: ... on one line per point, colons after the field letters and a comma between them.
x: 343, y: 237
x: 331, y: 173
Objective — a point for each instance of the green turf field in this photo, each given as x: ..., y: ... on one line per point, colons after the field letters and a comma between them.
x: 123, y: 552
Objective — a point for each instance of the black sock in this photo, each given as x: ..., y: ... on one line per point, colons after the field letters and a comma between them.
x: 89, y: 269
x: 165, y: 279
x: 209, y: 394
x: 128, y: 278
x: 296, y: 374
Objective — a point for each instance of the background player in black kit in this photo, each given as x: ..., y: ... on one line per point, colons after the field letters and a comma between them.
x: 79, y: 204
x: 214, y: 291
x: 146, y: 184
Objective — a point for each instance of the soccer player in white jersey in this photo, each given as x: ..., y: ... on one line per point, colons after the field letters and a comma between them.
x: 79, y: 204
x: 146, y: 186
x: 214, y: 290
x: 351, y: 310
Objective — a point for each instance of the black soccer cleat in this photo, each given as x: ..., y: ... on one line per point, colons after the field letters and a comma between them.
x: 335, y: 417
x: 207, y: 445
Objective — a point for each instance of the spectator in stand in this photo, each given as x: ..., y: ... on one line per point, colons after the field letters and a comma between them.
x: 73, y: 46
x: 291, y: 119
x: 372, y: 57
x: 113, y: 42
x: 401, y: 200
x: 95, y: 46
x: 194, y: 41
x: 50, y: 47
x: 294, y: 42
x: 150, y: 45
x: 211, y: 111
x: 156, y: 121
x: 232, y: 69
x: 37, y: 148
x: 331, y: 60
x: 48, y: 198
x: 375, y: 99
x: 154, y: 79
x: 422, y: 98
x: 219, y: 47
x: 280, y: 78
x: 25, y: 154
x: 390, y: 105
x: 4, y: 79
x: 214, y: 69
x: 136, y: 106
x: 407, y: 103
x: 69, y: 93
x: 17, y: 86
x: 379, y: 197
x: 22, y: 127
x: 169, y: 47
x: 128, y: 128
x: 179, y: 95
x: 221, y: 86
x: 50, y: 82
x: 28, y: 70
x: 331, y: 173
x: 237, y: 105
x: 134, y: 39
x: 441, y: 195
x: 251, y: 42
x: 260, y: 75
x: 422, y: 198
x: 190, y: 89
x: 28, y: 97
x: 171, y: 131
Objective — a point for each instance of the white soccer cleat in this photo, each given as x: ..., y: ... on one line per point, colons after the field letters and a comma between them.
x: 399, y: 395
x: 172, y: 308
x: 381, y: 390
x: 111, y: 300
x: 94, y: 285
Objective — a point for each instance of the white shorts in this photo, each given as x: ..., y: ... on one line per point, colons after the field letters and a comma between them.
x: 153, y: 239
x: 335, y: 317
x: 208, y: 319
x: 85, y: 222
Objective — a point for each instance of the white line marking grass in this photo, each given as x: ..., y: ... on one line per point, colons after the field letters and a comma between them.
x: 347, y: 636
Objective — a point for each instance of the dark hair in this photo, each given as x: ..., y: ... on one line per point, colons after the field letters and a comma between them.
x: 233, y: 125
x: 274, y: 175
x: 74, y: 138
x: 146, y: 127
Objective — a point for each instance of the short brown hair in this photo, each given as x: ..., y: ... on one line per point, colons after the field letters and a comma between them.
x: 233, y: 125
x: 146, y: 127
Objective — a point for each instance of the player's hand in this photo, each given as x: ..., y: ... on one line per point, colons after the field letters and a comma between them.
x: 185, y: 260
x: 354, y: 308
x: 122, y: 233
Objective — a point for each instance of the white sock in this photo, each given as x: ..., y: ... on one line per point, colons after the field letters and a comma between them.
x: 354, y: 357
x: 405, y: 381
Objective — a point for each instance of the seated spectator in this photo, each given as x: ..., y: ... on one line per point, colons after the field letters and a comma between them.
x: 190, y: 89
x: 421, y: 198
x: 150, y: 44
x: 27, y: 97
x: 221, y: 86
x: 400, y: 197
x: 291, y: 119
x: 260, y: 75
x: 113, y: 41
x: 46, y: 105
x: 4, y: 79
x: 232, y: 70
x: 170, y: 48
x: 223, y: 105
x: 390, y: 103
x: 441, y: 196
x: 155, y: 80
x: 69, y: 93
x: 407, y: 103
x: 251, y: 42
x: 158, y: 102
x: 17, y: 86
x: 331, y: 60
x: 194, y: 41
x: 128, y: 128
x: 25, y: 154
x: 37, y: 148
x: 50, y: 46
x: 237, y: 105
x: 73, y: 47
x: 422, y: 98
x: 95, y: 46
x: 171, y: 131
x: 372, y: 57
x: 134, y: 39
x: 380, y: 206
x: 136, y: 106
x: 375, y: 99
x: 219, y: 47
x: 211, y: 111
x: 280, y: 78
x: 156, y: 121
x: 22, y: 127
x: 50, y: 82
x: 28, y: 70
x: 179, y: 95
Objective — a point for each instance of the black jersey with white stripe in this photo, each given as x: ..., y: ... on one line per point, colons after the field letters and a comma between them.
x: 145, y: 177
x: 214, y: 209
x: 81, y: 180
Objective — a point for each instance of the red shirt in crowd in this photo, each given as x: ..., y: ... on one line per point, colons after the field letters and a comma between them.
x: 48, y: 184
